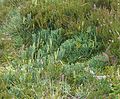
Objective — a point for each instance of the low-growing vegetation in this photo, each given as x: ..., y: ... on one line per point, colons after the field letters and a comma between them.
x: 59, y: 49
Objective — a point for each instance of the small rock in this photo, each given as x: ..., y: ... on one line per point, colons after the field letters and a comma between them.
x: 100, y: 77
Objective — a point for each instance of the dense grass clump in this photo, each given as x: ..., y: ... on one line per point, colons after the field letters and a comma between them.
x: 59, y: 49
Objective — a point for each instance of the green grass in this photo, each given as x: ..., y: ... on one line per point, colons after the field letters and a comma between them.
x: 59, y: 49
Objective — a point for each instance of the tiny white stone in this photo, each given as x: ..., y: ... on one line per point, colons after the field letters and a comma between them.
x: 101, y: 77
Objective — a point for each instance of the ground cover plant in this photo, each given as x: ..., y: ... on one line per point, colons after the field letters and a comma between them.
x: 59, y: 49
